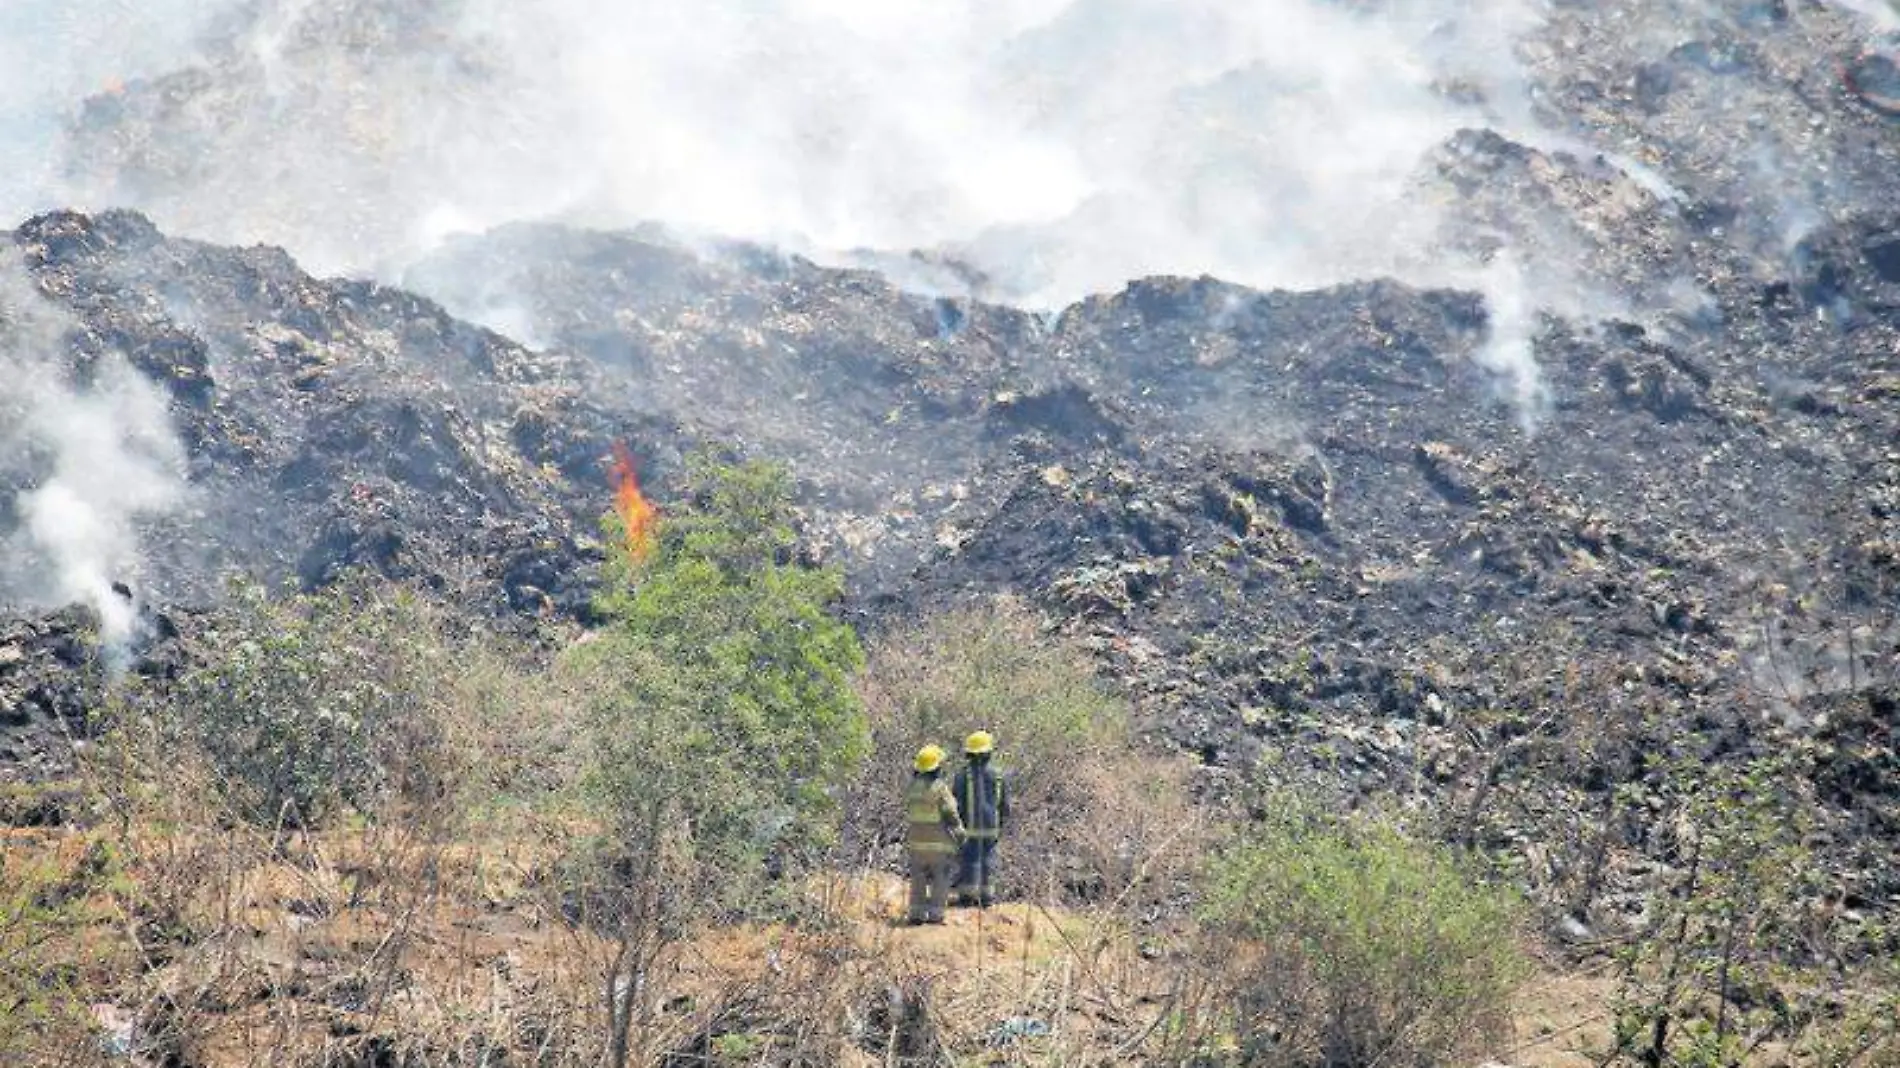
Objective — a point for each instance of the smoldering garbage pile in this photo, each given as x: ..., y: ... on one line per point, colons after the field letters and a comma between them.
x: 1335, y: 523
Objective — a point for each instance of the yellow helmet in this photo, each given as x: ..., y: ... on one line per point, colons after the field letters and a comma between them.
x: 979, y: 743
x: 929, y: 758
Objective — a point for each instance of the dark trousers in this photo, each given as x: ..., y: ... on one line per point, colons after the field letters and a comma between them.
x: 976, y: 870
x: 929, y: 886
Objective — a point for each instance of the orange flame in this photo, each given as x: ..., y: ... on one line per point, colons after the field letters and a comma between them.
x: 636, y: 513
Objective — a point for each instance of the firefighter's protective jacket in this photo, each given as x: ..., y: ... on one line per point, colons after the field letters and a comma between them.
x: 935, y: 827
x: 983, y: 800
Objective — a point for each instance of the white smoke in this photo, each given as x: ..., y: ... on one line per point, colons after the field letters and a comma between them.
x: 1054, y: 147
x: 55, y: 54
x: 1063, y: 146
x: 1507, y: 349
x: 99, y: 452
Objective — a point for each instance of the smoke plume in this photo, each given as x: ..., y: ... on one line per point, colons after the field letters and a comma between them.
x: 91, y: 441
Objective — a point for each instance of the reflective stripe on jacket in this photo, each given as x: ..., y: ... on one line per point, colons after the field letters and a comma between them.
x: 982, y: 799
x: 931, y: 811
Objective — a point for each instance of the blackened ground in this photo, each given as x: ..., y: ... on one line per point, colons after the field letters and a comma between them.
x: 1290, y: 523
x: 1300, y: 525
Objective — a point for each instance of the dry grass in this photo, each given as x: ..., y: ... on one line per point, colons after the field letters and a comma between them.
x: 355, y: 947
x: 1563, y: 1020
x: 441, y: 930
x: 438, y: 934
x: 395, y: 944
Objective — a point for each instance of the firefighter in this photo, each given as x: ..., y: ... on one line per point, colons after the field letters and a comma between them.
x: 983, y: 799
x: 935, y: 834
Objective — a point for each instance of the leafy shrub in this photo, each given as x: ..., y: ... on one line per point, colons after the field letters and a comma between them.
x: 993, y: 667
x: 1370, y: 947
x: 307, y: 704
x: 721, y: 649
x: 1742, y: 948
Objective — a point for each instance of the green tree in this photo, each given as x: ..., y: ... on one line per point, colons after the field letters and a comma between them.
x: 745, y: 629
x: 724, y: 720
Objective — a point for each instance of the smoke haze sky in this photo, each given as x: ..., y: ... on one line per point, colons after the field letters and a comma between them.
x: 53, y: 54
x: 1062, y: 146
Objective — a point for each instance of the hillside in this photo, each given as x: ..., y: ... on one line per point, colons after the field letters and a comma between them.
x: 1575, y: 464
x: 1280, y: 513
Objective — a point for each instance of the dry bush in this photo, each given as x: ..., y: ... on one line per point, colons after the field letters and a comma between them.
x: 1020, y: 983
x: 433, y: 920
x: 313, y: 705
x: 1096, y: 818
x: 418, y: 937
x: 823, y: 999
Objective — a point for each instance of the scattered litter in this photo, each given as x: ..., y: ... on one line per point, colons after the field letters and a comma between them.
x: 1017, y: 1028
x: 118, y: 1029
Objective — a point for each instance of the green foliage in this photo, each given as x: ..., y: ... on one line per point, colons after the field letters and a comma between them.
x: 1742, y: 949
x: 723, y: 717
x: 738, y: 1048
x: 1861, y: 1025
x: 1064, y: 745
x: 308, y: 704
x: 993, y: 668
x: 1373, y: 948
x: 720, y: 694
x: 685, y: 818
